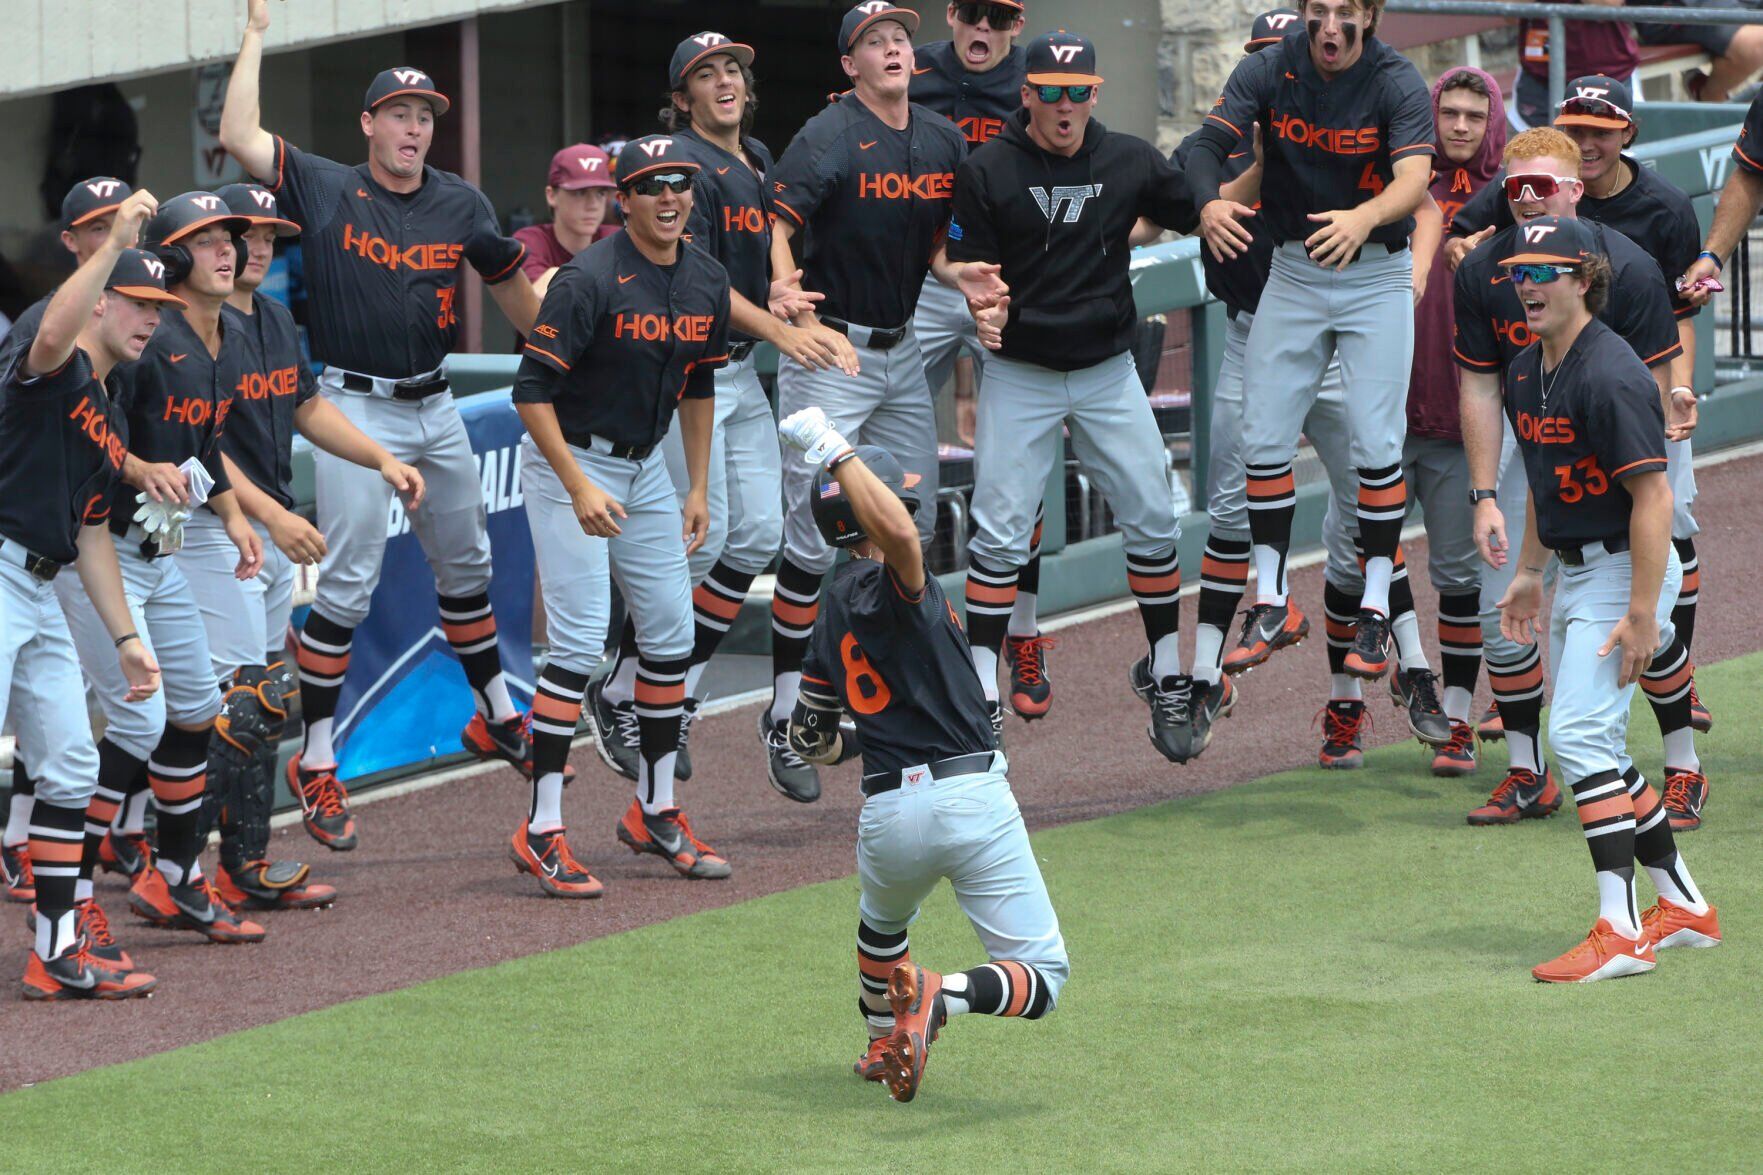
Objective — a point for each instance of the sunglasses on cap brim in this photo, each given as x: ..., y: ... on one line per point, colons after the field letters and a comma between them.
x: 1534, y: 187
x: 676, y: 182
x: 1537, y: 274
x: 999, y: 16
x: 1594, y: 112
x: 1052, y: 94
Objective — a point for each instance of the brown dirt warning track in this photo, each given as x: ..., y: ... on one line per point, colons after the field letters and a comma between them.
x: 431, y: 891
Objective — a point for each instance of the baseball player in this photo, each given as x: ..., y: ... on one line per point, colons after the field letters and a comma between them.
x: 61, y: 449
x: 247, y: 620
x: 868, y: 181
x: 87, y: 212
x: 1592, y: 435
x: 175, y: 402
x: 1238, y: 282
x: 1053, y: 200
x: 578, y: 189
x: 974, y: 79
x: 630, y: 327
x: 888, y: 649
x: 383, y: 245
x: 710, y: 115
x: 1541, y: 181
x: 1347, y: 138
x: 1471, y: 119
x: 1657, y: 215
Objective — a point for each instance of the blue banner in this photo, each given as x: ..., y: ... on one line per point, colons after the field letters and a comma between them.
x: 405, y: 699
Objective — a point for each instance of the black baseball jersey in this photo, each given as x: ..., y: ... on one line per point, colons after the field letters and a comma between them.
x: 1491, y: 330
x: 1651, y: 211
x: 1238, y: 282
x: 977, y: 103
x: 62, y: 444
x: 620, y: 340
x: 382, y: 267
x: 1747, y: 151
x: 1326, y: 145
x: 900, y: 666
x: 1582, y: 428
x: 731, y: 214
x: 1059, y: 228
x: 176, y: 399
x: 260, y: 432
x: 875, y: 201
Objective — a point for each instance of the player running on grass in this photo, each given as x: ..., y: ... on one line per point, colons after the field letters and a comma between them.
x: 888, y: 648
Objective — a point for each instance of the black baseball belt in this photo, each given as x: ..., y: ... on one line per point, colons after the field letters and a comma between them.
x: 875, y: 338
x: 40, y: 566
x: 1577, y: 556
x: 420, y: 388
x: 886, y: 781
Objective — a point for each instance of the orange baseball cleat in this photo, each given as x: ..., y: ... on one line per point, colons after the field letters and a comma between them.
x: 916, y: 997
x: 1671, y: 925
x: 1604, y: 954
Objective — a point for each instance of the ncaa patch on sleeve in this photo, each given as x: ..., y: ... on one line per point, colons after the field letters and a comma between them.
x: 954, y: 229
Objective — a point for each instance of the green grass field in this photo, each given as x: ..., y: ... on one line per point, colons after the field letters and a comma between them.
x: 1316, y: 970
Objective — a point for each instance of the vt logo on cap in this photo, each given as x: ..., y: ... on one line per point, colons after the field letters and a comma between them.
x: 411, y: 77
x: 1536, y: 234
x: 654, y: 147
x: 263, y: 199
x: 104, y: 188
x: 154, y: 266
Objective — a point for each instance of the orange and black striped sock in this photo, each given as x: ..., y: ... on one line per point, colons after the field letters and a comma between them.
x: 1683, y: 613
x: 470, y: 627
x: 55, y: 845
x: 557, y: 711
x: 118, y: 772
x: 1024, y: 620
x: 1224, y: 577
x: 1340, y: 616
x: 1004, y: 988
x: 1155, y: 580
x: 1459, y: 650
x: 878, y: 953
x: 1273, y: 502
x: 1666, y: 683
x: 991, y: 594
x: 1655, y: 845
x: 323, y: 658
x: 177, y: 771
x: 1518, y: 694
x: 795, y: 602
x: 660, y: 700
x: 716, y: 603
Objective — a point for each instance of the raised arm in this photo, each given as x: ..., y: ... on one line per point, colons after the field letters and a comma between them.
x: 71, y: 309
x: 241, y: 118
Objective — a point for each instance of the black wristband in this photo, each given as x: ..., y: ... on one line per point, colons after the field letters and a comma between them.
x: 127, y: 637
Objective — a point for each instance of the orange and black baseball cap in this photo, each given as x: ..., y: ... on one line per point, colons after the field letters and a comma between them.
x: 694, y: 50
x: 188, y: 214
x: 257, y: 205
x: 872, y: 12
x: 90, y: 199
x: 648, y: 155
x: 1597, y: 101
x: 139, y: 274
x: 1552, y: 240
x: 1062, y: 59
x: 404, y: 82
x: 1270, y: 28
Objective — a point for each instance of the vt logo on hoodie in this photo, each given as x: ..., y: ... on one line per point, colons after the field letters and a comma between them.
x: 1072, y: 196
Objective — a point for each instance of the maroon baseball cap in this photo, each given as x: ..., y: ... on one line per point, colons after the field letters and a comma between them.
x: 580, y: 166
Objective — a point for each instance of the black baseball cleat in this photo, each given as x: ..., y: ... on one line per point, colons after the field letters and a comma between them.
x: 1267, y: 628
x: 1138, y: 675
x: 1369, y: 657
x: 616, y: 735
x: 682, y: 759
x: 1209, y: 704
x: 793, y: 776
x: 1701, y: 720
x: 1417, y: 692
x: 126, y: 853
x: 667, y: 835
x: 77, y: 975
x: 546, y: 856
x: 1172, y: 719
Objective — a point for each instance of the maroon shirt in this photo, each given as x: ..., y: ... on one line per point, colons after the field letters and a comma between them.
x: 1593, y: 46
x: 544, y: 251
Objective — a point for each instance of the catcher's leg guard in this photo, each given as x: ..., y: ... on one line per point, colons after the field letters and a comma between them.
x: 241, y: 770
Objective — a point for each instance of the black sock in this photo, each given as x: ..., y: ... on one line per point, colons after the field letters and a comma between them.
x: 1003, y: 988
x: 715, y: 604
x: 991, y: 594
x: 177, y: 771
x: 1518, y: 695
x: 118, y: 773
x: 470, y: 627
x: 878, y: 953
x: 323, y: 658
x: 661, y: 695
x: 56, y: 835
x: 1460, y: 639
x: 1155, y: 580
x: 794, y: 604
x: 1383, y: 504
x: 1340, y: 614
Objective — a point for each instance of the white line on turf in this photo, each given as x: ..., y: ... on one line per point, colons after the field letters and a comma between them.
x: 750, y: 697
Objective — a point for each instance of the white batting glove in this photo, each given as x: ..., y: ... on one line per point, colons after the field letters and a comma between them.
x: 200, y: 481
x: 810, y: 431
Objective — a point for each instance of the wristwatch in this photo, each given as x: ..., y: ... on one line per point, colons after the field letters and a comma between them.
x: 1481, y: 496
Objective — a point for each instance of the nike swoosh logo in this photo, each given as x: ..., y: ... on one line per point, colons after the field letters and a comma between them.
x: 625, y: 277
x: 550, y: 869
x: 921, y: 72
x: 1498, y: 280
x: 180, y: 358
x: 722, y: 171
x: 868, y: 145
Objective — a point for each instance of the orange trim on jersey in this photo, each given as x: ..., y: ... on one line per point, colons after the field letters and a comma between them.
x: 1226, y: 122
x: 810, y: 679
x: 1477, y: 363
x: 1671, y: 352
x: 1394, y: 151
x: 509, y: 269
x: 1633, y: 464
x: 1752, y: 162
x: 548, y: 355
x: 909, y: 597
x: 794, y: 215
x: 281, y: 159
x: 1685, y: 311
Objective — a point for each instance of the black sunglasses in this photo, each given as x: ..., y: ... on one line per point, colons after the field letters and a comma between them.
x: 1050, y: 94
x: 999, y: 16
x: 654, y: 185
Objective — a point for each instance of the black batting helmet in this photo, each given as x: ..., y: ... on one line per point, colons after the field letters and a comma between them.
x: 832, y: 509
x: 182, y: 217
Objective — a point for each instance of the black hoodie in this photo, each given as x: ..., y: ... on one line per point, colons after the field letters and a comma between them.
x: 1059, y: 226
